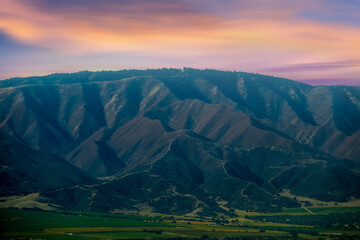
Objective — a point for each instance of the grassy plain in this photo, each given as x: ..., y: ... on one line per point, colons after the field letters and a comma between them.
x: 26, y: 224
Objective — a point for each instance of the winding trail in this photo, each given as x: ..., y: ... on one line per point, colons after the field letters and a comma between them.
x: 151, y: 163
x: 162, y: 155
x: 309, y: 210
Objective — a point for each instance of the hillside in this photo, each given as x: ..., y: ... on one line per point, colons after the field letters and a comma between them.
x: 179, y: 141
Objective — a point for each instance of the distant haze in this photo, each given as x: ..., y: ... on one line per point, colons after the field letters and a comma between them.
x: 316, y: 42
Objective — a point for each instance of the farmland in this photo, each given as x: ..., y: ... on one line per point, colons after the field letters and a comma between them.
x: 290, y: 224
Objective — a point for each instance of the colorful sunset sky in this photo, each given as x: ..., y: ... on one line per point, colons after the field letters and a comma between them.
x: 316, y: 42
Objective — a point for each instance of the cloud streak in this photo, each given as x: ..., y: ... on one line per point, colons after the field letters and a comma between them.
x: 317, y: 66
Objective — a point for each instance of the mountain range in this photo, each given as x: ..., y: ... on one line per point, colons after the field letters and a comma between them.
x: 179, y: 141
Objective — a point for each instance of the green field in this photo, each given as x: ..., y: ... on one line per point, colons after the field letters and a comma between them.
x: 290, y: 224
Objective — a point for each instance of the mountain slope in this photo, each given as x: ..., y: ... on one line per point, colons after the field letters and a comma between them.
x: 24, y: 170
x: 69, y: 108
x: 187, y: 136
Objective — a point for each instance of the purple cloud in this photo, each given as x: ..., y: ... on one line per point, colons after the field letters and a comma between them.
x: 111, y: 6
x: 315, y: 66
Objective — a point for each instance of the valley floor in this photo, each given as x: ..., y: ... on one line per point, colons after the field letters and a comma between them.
x: 317, y: 223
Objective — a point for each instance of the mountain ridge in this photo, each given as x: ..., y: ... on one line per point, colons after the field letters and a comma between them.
x: 252, y: 134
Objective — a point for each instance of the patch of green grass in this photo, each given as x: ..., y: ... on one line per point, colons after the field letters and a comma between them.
x: 28, y: 220
x: 328, y: 210
x: 292, y: 211
x: 302, y: 211
x: 126, y: 235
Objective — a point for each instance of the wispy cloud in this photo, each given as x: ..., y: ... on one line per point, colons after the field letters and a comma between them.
x: 316, y: 66
x: 320, y: 73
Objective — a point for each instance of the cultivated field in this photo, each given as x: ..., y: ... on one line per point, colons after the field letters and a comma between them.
x: 318, y: 223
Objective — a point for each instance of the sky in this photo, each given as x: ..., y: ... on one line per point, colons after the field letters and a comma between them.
x: 313, y: 41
